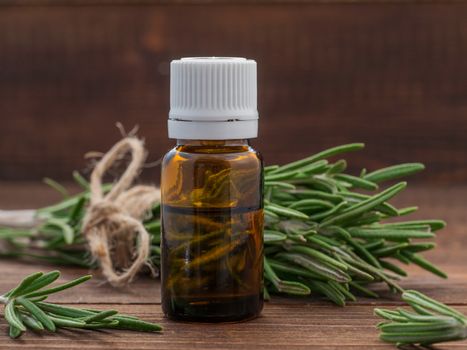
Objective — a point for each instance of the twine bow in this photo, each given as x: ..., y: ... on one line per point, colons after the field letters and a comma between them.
x: 113, y: 222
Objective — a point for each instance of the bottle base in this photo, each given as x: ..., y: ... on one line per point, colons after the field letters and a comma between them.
x: 214, y: 310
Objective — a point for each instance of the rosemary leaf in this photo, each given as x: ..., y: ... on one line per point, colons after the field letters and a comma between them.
x: 324, y: 154
x: 58, y: 288
x: 12, y: 317
x: 37, y: 313
x: 394, y: 172
x: 366, y: 205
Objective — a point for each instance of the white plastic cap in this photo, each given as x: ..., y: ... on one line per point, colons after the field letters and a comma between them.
x: 213, y: 98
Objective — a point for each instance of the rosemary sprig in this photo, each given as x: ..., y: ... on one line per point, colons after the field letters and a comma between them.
x: 429, y: 322
x: 25, y: 309
x: 326, y: 232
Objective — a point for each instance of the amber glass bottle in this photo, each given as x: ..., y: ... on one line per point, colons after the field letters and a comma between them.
x: 212, y: 216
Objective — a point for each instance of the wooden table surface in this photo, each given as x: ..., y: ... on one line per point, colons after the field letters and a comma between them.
x: 302, y: 323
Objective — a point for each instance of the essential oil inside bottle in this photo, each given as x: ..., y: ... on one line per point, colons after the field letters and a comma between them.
x: 212, y: 216
x: 212, y: 222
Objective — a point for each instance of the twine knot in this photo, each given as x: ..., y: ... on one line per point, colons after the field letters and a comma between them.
x: 113, y: 222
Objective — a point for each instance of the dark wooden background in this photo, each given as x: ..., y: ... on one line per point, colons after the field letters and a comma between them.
x: 392, y: 74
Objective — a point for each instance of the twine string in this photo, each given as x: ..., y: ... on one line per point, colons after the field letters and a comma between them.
x: 113, y: 222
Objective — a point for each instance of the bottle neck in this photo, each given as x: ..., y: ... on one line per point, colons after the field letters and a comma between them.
x: 213, y: 146
x: 213, y: 143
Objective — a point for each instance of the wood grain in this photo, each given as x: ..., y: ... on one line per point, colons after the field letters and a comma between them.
x: 289, y: 326
x: 390, y: 74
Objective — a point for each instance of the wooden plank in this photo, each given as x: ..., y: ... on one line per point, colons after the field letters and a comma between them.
x: 202, y: 2
x: 280, y: 326
x: 143, y: 291
x: 391, y: 75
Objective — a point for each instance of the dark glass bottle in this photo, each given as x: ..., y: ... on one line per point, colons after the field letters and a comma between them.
x: 212, y: 239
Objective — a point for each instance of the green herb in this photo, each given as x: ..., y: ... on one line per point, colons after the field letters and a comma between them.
x: 25, y: 309
x: 430, y: 322
x: 323, y: 235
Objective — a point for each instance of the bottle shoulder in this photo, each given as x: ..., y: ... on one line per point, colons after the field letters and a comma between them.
x: 240, y: 155
x: 212, y: 179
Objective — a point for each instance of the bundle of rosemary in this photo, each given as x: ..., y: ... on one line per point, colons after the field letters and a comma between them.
x: 324, y: 237
x: 323, y: 234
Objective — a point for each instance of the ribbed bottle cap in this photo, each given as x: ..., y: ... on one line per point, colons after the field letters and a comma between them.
x: 213, y: 98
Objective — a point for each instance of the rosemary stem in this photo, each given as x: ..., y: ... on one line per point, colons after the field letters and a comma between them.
x: 19, y: 218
